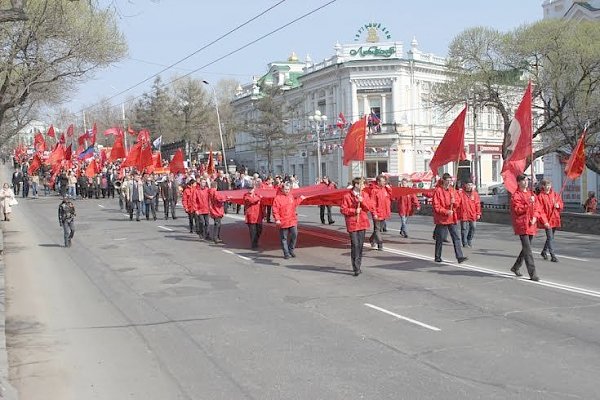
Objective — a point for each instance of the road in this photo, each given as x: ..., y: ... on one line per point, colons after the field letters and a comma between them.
x: 144, y: 310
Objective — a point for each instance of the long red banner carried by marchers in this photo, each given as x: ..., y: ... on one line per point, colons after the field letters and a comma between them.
x: 315, y: 195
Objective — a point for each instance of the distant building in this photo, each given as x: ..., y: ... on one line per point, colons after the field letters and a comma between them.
x: 575, y: 192
x: 376, y: 77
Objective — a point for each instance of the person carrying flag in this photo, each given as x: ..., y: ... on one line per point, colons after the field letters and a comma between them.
x: 551, y: 205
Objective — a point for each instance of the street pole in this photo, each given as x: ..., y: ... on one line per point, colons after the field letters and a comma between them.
x: 220, y: 129
x: 476, y: 159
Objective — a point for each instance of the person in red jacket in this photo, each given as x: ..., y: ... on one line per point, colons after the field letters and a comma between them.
x: 253, y: 211
x: 355, y: 206
x: 470, y: 213
x: 188, y: 203
x: 267, y: 184
x: 525, y: 213
x: 407, y: 205
x: 590, y: 203
x: 201, y: 208
x: 329, y: 185
x: 551, y: 206
x: 216, y: 211
x: 446, y: 203
x: 381, y: 200
x: 284, y: 212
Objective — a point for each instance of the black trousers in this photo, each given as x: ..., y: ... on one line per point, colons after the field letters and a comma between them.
x: 150, y: 207
x: 192, y: 221
x: 357, y: 240
x: 440, y: 233
x: 216, y: 231
x: 169, y: 205
x: 526, y: 254
x: 322, y: 214
x: 255, y: 232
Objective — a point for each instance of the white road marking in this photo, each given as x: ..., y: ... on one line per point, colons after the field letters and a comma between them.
x: 165, y: 228
x: 228, y: 251
x: 235, y: 216
x: 127, y: 215
x: 120, y: 239
x: 412, y: 321
x: 101, y: 206
x: 563, y: 256
x: 244, y: 257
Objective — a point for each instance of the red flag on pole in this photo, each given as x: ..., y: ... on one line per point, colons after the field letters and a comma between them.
x: 57, y: 155
x: 93, y: 135
x: 51, y: 132
x: 576, y: 162
x: 103, y: 158
x: 112, y: 131
x: 70, y: 130
x: 36, y: 163
x: 69, y: 153
x: 145, y: 158
x: 341, y: 121
x: 92, y: 169
x: 62, y: 140
x: 354, y: 144
x: 452, y: 146
x: 132, y: 157
x: 118, y: 149
x: 518, y: 143
x: 157, y: 159
x: 39, y: 143
x: 176, y: 164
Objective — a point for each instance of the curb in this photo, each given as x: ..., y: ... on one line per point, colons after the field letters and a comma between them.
x: 7, y: 391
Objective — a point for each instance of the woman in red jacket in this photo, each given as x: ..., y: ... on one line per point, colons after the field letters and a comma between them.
x: 470, y: 213
x: 253, y: 211
x: 446, y: 202
x: 551, y: 205
x: 188, y: 205
x: 355, y: 206
x: 525, y: 213
x: 407, y: 205
x: 284, y: 212
x: 381, y: 199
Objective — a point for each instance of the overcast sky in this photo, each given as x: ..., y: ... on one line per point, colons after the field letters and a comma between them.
x: 160, y: 32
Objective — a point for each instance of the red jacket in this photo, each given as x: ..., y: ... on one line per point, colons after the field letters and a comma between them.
x: 187, y: 199
x: 201, y: 201
x: 382, y: 201
x: 407, y: 205
x: 348, y: 209
x: 284, y: 209
x: 216, y: 208
x: 252, y: 208
x: 590, y: 205
x: 470, y: 206
x: 523, y: 212
x: 548, y: 203
x: 442, y: 204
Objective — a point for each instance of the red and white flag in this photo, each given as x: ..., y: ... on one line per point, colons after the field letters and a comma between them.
x: 518, y: 143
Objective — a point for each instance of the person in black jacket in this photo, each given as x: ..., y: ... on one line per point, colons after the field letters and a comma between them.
x: 17, y: 178
x: 66, y: 219
x: 169, y: 192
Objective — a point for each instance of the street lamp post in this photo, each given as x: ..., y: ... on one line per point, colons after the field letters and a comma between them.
x: 317, y: 118
x: 219, y: 123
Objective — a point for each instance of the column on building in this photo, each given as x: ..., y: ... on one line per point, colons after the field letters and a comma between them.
x: 354, y: 102
x: 396, y: 107
x: 383, y: 109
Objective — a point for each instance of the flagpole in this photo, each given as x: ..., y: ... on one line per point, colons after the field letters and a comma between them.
x: 532, y: 167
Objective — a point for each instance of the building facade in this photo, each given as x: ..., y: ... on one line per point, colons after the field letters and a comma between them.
x: 375, y: 77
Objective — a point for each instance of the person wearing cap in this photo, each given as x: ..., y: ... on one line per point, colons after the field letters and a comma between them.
x: 446, y: 202
x: 66, y: 219
x: 525, y: 212
x: 551, y: 205
x: 188, y: 205
x: 284, y: 212
x: 469, y: 213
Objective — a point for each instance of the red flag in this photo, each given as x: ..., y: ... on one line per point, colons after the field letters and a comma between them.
x: 69, y: 153
x: 70, y: 130
x: 103, y: 158
x: 132, y: 157
x: 210, y: 168
x: 145, y: 158
x: 144, y: 136
x: 51, y: 132
x: 93, y: 135
x: 118, y: 149
x: 176, y: 164
x: 576, y: 162
x: 57, y: 155
x: 92, y: 169
x: 354, y: 144
x: 36, y: 163
x: 39, y: 143
x: 518, y: 143
x: 81, y: 139
x: 79, y: 150
x: 341, y: 121
x: 157, y: 159
x: 452, y: 146
x: 61, y: 140
x: 112, y: 131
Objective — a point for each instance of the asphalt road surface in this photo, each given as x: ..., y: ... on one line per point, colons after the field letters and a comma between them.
x: 144, y: 310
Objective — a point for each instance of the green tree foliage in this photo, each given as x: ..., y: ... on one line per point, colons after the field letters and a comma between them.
x: 562, y: 58
x: 57, y: 46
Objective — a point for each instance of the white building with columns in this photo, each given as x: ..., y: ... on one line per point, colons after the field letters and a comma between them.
x: 370, y: 76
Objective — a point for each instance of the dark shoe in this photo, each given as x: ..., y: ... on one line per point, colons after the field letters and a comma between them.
x: 191, y: 231
x: 286, y: 256
x: 174, y: 217
x: 137, y: 219
x: 357, y: 272
x: 438, y: 260
x: 379, y: 248
x: 292, y: 254
x: 544, y: 255
x: 373, y: 245
x: 535, y: 278
x: 323, y: 222
x: 462, y: 259
x: 384, y: 230
x: 331, y: 222
x: 155, y: 218
x: 554, y: 259
x: 515, y: 270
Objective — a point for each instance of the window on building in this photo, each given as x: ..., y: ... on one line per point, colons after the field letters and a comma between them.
x: 495, y: 170
x: 324, y: 168
x: 375, y: 168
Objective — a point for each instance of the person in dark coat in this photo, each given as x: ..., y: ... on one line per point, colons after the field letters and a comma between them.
x: 150, y: 192
x: 169, y: 192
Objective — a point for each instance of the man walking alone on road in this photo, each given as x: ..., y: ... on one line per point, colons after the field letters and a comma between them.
x: 66, y: 219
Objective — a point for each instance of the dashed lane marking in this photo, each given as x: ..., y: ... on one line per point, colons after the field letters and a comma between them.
x: 101, y: 206
x: 412, y: 321
x: 120, y: 239
x: 165, y: 228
